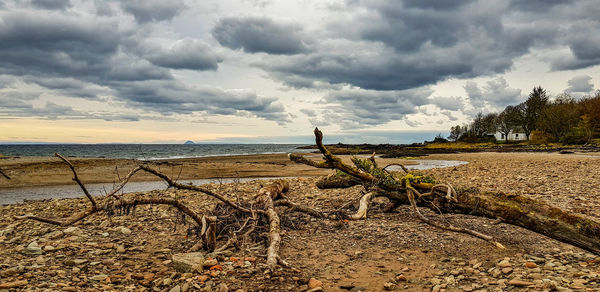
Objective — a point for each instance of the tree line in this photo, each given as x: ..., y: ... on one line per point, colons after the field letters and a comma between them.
x: 564, y: 119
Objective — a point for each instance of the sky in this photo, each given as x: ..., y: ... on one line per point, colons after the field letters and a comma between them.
x: 261, y: 71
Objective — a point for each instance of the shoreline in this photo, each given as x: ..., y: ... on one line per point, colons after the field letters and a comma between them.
x: 36, y: 171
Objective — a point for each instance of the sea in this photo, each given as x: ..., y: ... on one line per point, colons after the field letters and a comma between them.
x: 146, y: 151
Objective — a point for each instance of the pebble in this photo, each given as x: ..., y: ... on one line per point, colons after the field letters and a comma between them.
x: 73, y: 231
x: 15, y: 284
x: 124, y: 230
x: 33, y: 249
x: 519, y: 283
x: 314, y: 283
x: 505, y: 263
x: 100, y: 277
x: 389, y: 286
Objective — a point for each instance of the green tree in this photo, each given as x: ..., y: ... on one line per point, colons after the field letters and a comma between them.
x: 531, y: 110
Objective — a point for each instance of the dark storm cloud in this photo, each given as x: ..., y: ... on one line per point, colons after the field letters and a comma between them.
x: 255, y: 35
x: 398, y: 45
x: 15, y: 100
x: 585, y: 53
x: 67, y: 54
x: 54, y: 111
x: 187, y: 54
x: 537, y: 5
x: 363, y: 108
x: 167, y: 97
x: 52, y: 4
x: 51, y: 43
x: 153, y: 10
x: 580, y: 84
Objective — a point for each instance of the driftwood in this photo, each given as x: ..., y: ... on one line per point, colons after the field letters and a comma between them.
x: 417, y: 191
x: 4, y: 174
x: 265, y: 202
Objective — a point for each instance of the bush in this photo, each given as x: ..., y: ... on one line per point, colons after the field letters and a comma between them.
x: 539, y: 137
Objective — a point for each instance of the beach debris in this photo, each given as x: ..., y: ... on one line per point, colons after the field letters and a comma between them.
x: 239, y: 220
x: 421, y: 191
x: 4, y: 174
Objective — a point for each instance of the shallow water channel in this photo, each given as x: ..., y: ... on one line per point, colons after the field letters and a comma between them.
x: 18, y: 195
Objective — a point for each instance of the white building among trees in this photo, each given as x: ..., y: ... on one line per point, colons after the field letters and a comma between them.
x: 512, y: 136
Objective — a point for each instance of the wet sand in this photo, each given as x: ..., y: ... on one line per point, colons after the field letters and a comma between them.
x: 50, y: 171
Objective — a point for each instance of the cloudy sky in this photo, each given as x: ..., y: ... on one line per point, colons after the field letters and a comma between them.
x: 156, y: 71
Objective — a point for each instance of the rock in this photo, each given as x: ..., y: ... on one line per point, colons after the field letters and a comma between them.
x: 223, y: 288
x: 507, y: 270
x: 549, y: 285
x: 210, y: 262
x: 185, y: 287
x: 73, y: 231
x: 316, y: 289
x: 100, y: 277
x: 12, y: 271
x: 33, y: 249
x: 188, y: 262
x: 505, y: 263
x: 15, y: 284
x: 400, y: 278
x: 40, y: 260
x: 120, y: 249
x: 314, y: 283
x: 579, y: 283
x: 175, y: 289
x: 519, y: 283
x: 49, y: 248
x: 54, y: 234
x: 124, y: 230
x: 79, y: 261
x: 531, y: 265
x: 389, y: 286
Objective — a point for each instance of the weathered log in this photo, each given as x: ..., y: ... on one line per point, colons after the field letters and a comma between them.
x: 528, y: 213
x: 266, y: 195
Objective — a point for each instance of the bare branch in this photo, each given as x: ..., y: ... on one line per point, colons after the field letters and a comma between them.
x: 411, y: 197
x: 301, y: 159
x: 297, y: 207
x: 76, y: 178
x: 176, y: 185
x: 124, y: 181
x: 4, y: 175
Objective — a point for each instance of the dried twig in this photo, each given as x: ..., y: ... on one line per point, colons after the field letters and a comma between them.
x: 76, y: 179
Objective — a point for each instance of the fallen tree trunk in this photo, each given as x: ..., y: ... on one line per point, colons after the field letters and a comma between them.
x: 517, y: 210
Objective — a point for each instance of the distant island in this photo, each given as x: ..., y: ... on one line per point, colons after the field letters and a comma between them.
x: 188, y: 142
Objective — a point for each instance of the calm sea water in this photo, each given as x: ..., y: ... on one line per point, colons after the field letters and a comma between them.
x: 145, y: 151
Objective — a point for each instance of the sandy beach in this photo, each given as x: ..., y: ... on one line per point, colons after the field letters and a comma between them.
x: 133, y: 252
x: 46, y: 171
